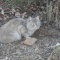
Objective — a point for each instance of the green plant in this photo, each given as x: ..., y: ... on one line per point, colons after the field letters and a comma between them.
x: 15, y: 3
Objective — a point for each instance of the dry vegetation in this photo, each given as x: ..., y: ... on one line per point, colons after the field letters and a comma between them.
x: 47, y: 9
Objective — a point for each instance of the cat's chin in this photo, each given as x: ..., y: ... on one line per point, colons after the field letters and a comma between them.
x: 32, y: 30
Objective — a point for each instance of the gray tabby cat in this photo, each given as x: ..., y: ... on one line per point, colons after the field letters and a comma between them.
x: 15, y: 28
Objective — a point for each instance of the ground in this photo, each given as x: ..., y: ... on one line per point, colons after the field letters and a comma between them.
x: 39, y: 51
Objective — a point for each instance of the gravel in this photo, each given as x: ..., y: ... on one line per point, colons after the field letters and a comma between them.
x: 39, y: 51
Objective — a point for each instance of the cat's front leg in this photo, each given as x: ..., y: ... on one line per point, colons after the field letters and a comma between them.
x: 28, y: 34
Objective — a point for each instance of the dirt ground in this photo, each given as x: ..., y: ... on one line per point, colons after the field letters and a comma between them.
x: 47, y: 36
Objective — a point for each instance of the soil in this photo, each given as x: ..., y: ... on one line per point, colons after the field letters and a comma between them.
x: 47, y: 36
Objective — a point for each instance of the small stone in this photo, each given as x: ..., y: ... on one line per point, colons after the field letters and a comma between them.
x: 29, y: 41
x: 24, y: 15
x: 17, y: 14
x: 13, y: 10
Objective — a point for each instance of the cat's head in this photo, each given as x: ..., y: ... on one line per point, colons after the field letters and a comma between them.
x: 33, y: 23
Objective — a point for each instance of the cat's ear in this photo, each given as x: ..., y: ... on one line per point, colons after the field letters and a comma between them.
x: 37, y: 18
x: 30, y: 18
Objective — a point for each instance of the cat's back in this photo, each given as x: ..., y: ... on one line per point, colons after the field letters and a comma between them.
x: 13, y: 22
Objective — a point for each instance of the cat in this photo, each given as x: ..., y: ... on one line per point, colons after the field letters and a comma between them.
x: 15, y: 28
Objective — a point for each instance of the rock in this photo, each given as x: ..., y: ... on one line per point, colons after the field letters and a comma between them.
x: 29, y: 41
x: 24, y: 15
x: 55, y: 55
x: 13, y: 10
x: 17, y: 14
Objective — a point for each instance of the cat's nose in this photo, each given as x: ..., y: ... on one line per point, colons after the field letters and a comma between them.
x: 35, y: 26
